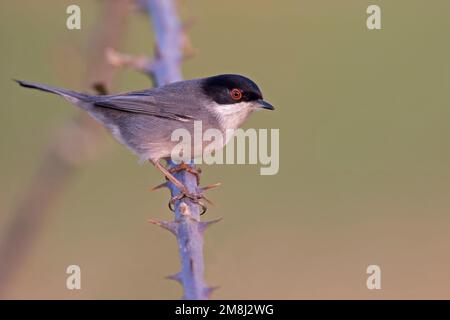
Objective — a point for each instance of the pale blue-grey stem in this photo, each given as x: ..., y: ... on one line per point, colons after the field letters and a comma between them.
x: 188, y: 229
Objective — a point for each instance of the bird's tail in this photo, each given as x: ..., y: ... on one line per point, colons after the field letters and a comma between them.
x: 71, y: 96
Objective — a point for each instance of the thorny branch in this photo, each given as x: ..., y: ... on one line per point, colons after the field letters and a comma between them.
x: 171, y: 43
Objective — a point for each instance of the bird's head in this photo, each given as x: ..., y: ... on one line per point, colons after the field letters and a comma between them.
x: 233, y: 98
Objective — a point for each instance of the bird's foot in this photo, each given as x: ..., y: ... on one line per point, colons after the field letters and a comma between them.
x: 199, y: 199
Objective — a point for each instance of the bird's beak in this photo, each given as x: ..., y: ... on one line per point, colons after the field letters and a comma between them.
x: 265, y: 105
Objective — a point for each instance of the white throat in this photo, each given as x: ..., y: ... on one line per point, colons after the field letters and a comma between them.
x: 231, y: 116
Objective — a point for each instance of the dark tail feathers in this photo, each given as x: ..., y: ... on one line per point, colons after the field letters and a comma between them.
x: 69, y: 95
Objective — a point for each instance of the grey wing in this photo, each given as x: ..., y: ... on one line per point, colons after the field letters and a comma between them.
x: 157, y: 103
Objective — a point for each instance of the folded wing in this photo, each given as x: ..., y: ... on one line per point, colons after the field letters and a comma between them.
x: 147, y: 103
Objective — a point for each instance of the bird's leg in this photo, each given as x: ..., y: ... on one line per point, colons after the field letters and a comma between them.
x: 184, y: 167
x: 170, y: 177
x: 183, y: 190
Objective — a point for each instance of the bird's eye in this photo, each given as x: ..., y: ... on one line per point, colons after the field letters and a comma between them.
x: 236, y: 94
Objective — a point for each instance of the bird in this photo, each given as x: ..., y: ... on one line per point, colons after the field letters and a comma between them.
x: 144, y: 120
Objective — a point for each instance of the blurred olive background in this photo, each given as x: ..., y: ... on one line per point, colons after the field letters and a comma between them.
x: 364, y: 154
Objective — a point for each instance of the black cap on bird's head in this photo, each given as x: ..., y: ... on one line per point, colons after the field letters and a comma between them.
x: 229, y: 89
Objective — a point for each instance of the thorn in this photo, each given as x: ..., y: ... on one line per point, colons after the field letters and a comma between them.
x: 209, y: 290
x: 189, y: 23
x: 202, y: 226
x: 118, y: 59
x: 100, y: 88
x: 211, y: 186
x: 188, y: 48
x: 113, y: 57
x: 168, y: 225
x: 176, y: 277
x: 189, y: 53
x: 160, y: 186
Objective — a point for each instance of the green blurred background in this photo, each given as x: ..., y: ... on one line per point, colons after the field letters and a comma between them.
x: 364, y: 154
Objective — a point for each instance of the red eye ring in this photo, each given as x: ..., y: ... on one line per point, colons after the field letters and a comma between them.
x: 236, y: 94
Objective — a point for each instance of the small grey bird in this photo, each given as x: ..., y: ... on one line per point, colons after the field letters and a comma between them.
x: 144, y: 120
